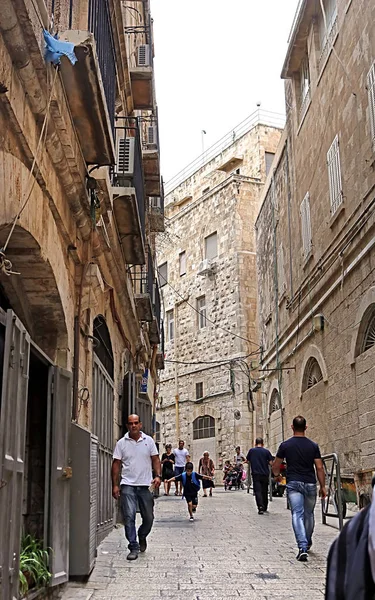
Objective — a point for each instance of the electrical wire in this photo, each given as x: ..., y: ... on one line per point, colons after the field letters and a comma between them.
x: 206, y: 318
x: 213, y: 362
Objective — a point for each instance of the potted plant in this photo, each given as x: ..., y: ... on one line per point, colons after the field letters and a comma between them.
x: 34, y: 560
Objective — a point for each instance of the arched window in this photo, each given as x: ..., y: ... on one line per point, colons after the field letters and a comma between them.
x: 203, y: 427
x: 367, y: 328
x: 275, y: 402
x: 312, y: 375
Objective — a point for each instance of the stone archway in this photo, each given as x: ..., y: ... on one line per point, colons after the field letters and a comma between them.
x: 34, y: 294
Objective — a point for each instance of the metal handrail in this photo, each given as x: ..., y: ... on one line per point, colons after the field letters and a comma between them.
x: 334, y: 494
x: 258, y: 117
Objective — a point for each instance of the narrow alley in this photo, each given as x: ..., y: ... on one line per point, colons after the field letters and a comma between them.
x: 229, y: 551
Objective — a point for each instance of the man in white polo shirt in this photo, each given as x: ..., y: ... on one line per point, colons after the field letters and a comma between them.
x: 136, y: 457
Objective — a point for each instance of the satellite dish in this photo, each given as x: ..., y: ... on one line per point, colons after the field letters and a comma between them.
x: 237, y: 415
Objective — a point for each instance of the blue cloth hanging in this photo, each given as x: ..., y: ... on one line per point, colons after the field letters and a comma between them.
x: 56, y: 49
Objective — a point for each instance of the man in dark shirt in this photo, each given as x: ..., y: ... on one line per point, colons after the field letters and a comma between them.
x: 301, y: 455
x: 260, y: 460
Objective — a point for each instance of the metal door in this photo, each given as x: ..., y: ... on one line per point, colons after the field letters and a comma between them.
x: 12, y: 450
x: 60, y: 474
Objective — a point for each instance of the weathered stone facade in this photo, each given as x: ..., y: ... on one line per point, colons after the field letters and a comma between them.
x: 220, y: 196
x: 315, y: 256
x: 73, y: 343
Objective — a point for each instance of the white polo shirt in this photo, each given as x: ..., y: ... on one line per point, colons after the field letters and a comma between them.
x: 136, y: 459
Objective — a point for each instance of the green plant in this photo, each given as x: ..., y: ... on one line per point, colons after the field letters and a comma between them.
x: 34, y: 560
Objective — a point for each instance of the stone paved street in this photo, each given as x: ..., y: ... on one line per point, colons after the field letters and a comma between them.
x: 228, y: 552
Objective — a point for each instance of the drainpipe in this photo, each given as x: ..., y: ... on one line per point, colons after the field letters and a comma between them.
x: 289, y: 194
x: 177, y: 397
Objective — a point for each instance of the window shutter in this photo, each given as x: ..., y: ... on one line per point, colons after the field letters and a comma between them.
x: 306, y: 225
x: 211, y: 246
x: 371, y: 101
x: 334, y: 175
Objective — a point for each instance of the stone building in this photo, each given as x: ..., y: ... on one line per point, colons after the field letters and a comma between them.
x: 80, y: 201
x: 206, y: 268
x: 315, y: 238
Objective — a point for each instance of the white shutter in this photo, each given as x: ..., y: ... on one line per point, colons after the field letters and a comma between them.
x: 151, y: 135
x: 306, y: 225
x: 334, y: 175
x: 211, y: 246
x: 371, y: 101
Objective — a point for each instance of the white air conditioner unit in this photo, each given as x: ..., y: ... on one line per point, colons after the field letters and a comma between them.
x: 204, y: 267
x: 152, y: 136
x: 155, y: 202
x: 143, y: 55
x: 125, y: 156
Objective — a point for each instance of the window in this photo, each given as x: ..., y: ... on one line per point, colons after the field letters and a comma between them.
x: 371, y: 101
x: 182, y: 259
x: 170, y: 325
x: 304, y: 95
x: 334, y: 175
x: 199, y: 390
x: 327, y: 25
x: 275, y: 402
x: 269, y: 156
x: 368, y: 340
x: 157, y: 432
x: 281, y: 270
x: 312, y: 375
x: 210, y: 245
x: 163, y: 274
x: 203, y: 427
x: 207, y: 189
x: 201, y: 307
x: 306, y: 226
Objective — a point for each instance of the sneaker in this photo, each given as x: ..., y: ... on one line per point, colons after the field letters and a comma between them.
x: 309, y: 547
x: 302, y: 556
x: 261, y: 511
x: 191, y: 519
x: 142, y: 544
x: 133, y: 555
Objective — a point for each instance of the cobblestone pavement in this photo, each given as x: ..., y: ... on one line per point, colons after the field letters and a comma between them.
x: 229, y: 552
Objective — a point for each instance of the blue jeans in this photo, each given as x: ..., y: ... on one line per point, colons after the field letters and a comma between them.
x: 131, y: 496
x: 302, y: 500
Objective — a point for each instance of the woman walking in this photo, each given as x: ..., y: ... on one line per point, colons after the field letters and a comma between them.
x: 167, y: 460
x: 207, y: 467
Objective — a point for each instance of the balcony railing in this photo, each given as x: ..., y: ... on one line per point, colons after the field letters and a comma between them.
x: 99, y: 23
x: 128, y: 170
x: 144, y: 278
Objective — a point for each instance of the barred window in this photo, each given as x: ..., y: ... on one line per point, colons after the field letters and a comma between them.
x: 306, y: 226
x: 312, y: 375
x: 203, y: 427
x: 334, y: 175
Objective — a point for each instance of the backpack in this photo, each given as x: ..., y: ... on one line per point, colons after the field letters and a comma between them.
x: 194, y: 480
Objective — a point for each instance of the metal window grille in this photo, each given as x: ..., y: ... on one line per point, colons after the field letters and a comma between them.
x: 203, y: 427
x: 312, y: 375
x: 182, y: 263
x: 210, y: 243
x: 371, y: 101
x: 199, y: 390
x: 170, y: 325
x: 369, y: 337
x: 304, y: 87
x: 330, y: 9
x: 306, y: 225
x: 334, y: 175
x: 202, y: 314
x: 275, y: 402
x: 163, y: 274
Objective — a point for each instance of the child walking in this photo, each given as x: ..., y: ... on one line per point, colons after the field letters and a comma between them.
x: 191, y: 485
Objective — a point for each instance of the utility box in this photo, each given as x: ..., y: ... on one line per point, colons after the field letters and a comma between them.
x: 83, y: 501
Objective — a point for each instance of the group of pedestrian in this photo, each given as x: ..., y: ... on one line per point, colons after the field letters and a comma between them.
x: 136, y: 467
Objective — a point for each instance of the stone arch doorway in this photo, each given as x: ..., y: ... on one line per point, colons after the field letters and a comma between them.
x: 103, y: 400
x: 204, y: 432
x: 34, y: 295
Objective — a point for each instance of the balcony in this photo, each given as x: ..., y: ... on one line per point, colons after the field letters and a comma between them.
x: 154, y: 326
x: 143, y: 284
x: 151, y: 155
x: 156, y: 212
x: 128, y: 191
x: 89, y: 103
x: 142, y: 77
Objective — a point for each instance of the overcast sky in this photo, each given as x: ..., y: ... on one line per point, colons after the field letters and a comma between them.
x: 214, y: 60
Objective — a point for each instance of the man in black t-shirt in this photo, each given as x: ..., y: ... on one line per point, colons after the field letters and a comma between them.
x: 260, y: 460
x: 302, y: 459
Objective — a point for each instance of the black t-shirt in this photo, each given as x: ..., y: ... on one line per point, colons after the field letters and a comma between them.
x: 189, y: 488
x: 259, y: 459
x: 299, y: 453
